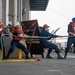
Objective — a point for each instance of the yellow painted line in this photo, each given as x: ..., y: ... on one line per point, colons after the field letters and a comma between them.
x: 18, y: 60
x: 25, y: 60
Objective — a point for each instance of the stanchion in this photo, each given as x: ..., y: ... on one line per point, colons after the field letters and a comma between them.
x: 20, y: 51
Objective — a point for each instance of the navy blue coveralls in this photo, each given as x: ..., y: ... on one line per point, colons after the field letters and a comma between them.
x: 70, y: 41
x: 16, y: 43
x: 46, y: 44
x: 2, y: 46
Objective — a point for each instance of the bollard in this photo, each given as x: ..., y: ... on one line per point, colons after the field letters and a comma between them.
x: 20, y: 51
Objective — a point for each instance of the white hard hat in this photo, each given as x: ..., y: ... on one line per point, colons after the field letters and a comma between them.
x: 17, y: 23
x: 10, y: 23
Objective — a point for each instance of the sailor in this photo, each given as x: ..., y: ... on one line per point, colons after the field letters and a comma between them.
x: 71, y: 32
x: 18, y: 35
x: 46, y: 44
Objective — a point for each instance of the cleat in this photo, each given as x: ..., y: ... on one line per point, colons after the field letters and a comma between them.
x: 60, y: 57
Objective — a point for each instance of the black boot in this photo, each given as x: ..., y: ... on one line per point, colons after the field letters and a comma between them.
x: 8, y: 55
x: 74, y: 51
x: 48, y: 54
x: 59, y: 56
x: 66, y: 51
x: 65, y: 55
x: 4, y: 57
x: 27, y: 55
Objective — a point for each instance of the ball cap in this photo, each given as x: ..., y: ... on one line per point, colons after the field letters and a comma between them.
x: 45, y: 26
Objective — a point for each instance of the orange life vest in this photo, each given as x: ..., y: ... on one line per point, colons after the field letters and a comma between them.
x: 1, y: 29
x: 73, y: 27
x: 20, y: 31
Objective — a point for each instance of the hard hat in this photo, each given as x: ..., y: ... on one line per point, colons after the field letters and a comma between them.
x: 17, y: 23
x: 10, y: 23
x: 73, y: 19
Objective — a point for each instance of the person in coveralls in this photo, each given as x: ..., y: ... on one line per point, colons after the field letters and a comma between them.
x: 1, y: 33
x: 46, y: 44
x: 71, y: 40
x: 18, y: 35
